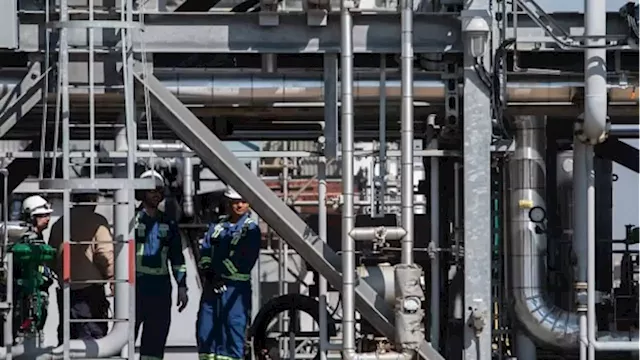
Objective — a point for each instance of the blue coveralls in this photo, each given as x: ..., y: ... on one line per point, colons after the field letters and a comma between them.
x: 157, y: 243
x: 223, y: 318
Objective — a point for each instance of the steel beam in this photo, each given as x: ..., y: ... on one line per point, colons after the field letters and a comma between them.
x: 267, y: 204
x: 217, y: 32
x: 24, y: 97
x: 531, y: 37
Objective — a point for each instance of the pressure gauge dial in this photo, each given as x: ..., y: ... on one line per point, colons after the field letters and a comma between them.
x: 537, y: 214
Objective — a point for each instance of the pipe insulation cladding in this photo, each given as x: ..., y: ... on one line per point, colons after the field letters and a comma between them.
x: 544, y: 321
x: 245, y: 89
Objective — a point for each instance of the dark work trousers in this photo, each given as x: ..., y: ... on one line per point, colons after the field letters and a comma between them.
x: 153, y: 312
x: 87, y: 303
x: 222, y: 322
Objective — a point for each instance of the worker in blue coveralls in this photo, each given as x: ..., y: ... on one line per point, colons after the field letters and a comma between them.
x: 158, y: 243
x: 229, y: 251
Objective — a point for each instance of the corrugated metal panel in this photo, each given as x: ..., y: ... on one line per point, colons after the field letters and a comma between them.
x: 308, y: 167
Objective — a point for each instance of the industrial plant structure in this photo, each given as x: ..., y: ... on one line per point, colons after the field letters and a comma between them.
x: 433, y: 178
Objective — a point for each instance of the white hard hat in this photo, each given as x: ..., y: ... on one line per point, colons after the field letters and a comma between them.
x: 36, y: 205
x: 153, y: 174
x: 231, y: 193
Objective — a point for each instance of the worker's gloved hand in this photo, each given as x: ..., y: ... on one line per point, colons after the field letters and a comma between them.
x: 183, y: 298
x: 219, y: 287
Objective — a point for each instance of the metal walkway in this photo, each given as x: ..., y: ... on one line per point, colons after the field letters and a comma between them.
x: 267, y: 204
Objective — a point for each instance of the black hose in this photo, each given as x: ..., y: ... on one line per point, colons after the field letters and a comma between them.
x: 258, y: 331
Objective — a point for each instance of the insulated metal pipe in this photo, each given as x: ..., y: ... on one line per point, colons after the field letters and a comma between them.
x: 595, y: 71
x: 348, y: 217
x: 542, y: 320
x: 406, y: 130
x: 246, y: 89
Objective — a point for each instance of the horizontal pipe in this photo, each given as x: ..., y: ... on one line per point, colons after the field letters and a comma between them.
x: 371, y: 233
x: 245, y: 89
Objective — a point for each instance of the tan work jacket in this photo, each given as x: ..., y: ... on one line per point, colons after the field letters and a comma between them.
x: 88, y: 261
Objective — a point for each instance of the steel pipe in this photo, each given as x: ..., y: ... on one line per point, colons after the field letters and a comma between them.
x: 370, y: 233
x: 246, y: 89
x: 595, y: 127
x: 543, y: 321
x: 348, y: 216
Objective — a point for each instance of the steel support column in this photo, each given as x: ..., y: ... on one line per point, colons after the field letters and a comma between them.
x: 477, y: 206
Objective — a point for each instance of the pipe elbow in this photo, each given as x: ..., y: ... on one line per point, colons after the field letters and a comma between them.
x: 109, y: 345
x: 547, y: 323
x: 595, y: 125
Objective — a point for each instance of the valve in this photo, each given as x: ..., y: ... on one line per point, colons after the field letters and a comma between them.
x: 477, y: 321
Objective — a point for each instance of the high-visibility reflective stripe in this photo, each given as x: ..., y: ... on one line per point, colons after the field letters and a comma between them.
x: 147, y: 357
x: 229, y: 265
x: 237, y: 277
x: 147, y: 270
x: 207, y: 357
x: 179, y: 268
x: 222, y: 357
x: 204, y: 262
x: 217, y: 230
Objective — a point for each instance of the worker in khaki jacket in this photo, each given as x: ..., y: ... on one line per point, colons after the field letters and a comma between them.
x: 91, y: 260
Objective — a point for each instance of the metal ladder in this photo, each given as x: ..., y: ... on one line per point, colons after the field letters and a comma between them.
x: 84, y: 19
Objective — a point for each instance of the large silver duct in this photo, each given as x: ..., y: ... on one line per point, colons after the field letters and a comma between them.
x: 527, y: 170
x: 223, y: 89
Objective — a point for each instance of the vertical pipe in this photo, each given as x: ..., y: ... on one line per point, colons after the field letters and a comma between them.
x: 8, y: 321
x: 92, y: 97
x: 595, y: 72
x: 322, y: 233
x: 269, y: 63
x: 347, y: 127
x: 328, y: 150
x: 582, y: 167
x: 434, y: 199
x: 66, y: 196
x: 406, y: 129
x: 129, y: 198
x: 382, y: 126
x: 121, y: 218
x: 187, y: 186
x: 256, y: 302
x: 7, y: 259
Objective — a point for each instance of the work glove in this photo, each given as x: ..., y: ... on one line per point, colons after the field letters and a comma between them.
x: 218, y: 286
x: 183, y: 298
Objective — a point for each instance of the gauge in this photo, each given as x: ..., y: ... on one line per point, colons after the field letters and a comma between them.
x: 537, y: 214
